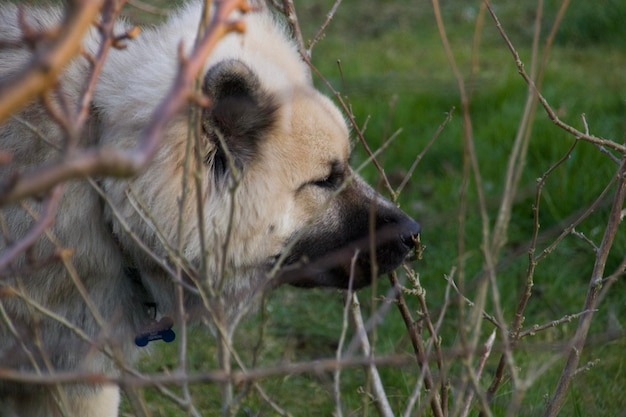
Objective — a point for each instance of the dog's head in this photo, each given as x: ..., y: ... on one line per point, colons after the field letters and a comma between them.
x: 273, y: 190
x: 284, y: 156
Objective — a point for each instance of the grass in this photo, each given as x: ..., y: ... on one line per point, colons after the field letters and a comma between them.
x: 395, y: 75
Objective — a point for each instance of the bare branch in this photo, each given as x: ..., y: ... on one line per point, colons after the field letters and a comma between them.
x: 289, y: 11
x: 595, y: 285
x: 42, y: 74
x: 116, y: 163
x: 479, y: 370
x: 418, y: 346
x: 380, y: 397
x: 146, y: 7
x: 419, y: 157
x: 551, y: 113
x: 518, y: 320
x: 322, y: 28
x: 342, y: 338
x: 45, y: 220
x: 236, y: 377
x: 537, y: 328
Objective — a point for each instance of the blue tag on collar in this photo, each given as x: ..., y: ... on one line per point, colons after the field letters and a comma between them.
x: 157, y: 330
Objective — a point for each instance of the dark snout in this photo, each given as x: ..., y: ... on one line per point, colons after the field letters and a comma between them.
x: 371, y: 238
x: 394, y: 239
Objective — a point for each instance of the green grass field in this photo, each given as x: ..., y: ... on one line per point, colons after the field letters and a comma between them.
x: 395, y: 75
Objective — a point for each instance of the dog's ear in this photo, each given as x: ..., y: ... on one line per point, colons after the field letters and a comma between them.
x: 239, y: 116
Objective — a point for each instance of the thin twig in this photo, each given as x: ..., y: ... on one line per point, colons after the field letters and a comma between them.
x: 434, y: 338
x: 418, y: 346
x: 595, y: 285
x: 116, y: 163
x: 539, y: 327
x: 517, y: 156
x: 589, y: 242
x: 620, y: 271
x: 380, y: 397
x: 42, y: 73
x: 578, y: 220
x: 551, y: 113
x: 342, y: 338
x: 148, y: 8
x: 471, y: 168
x: 470, y: 303
x: 289, y: 11
x: 109, y: 14
x: 45, y: 219
x: 419, y: 157
x: 346, y: 109
x: 479, y: 370
x: 321, y: 366
x: 518, y: 320
x: 322, y: 28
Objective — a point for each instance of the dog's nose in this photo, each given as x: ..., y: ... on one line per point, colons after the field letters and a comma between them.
x: 409, y: 230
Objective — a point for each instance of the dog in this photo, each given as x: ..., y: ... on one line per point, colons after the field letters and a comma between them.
x: 272, y: 200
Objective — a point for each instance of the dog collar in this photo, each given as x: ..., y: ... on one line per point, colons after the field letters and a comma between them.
x: 157, y: 330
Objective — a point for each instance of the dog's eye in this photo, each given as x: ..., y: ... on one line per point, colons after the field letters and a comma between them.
x: 332, y: 181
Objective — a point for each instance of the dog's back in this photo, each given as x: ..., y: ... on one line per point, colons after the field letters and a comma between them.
x: 69, y: 289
